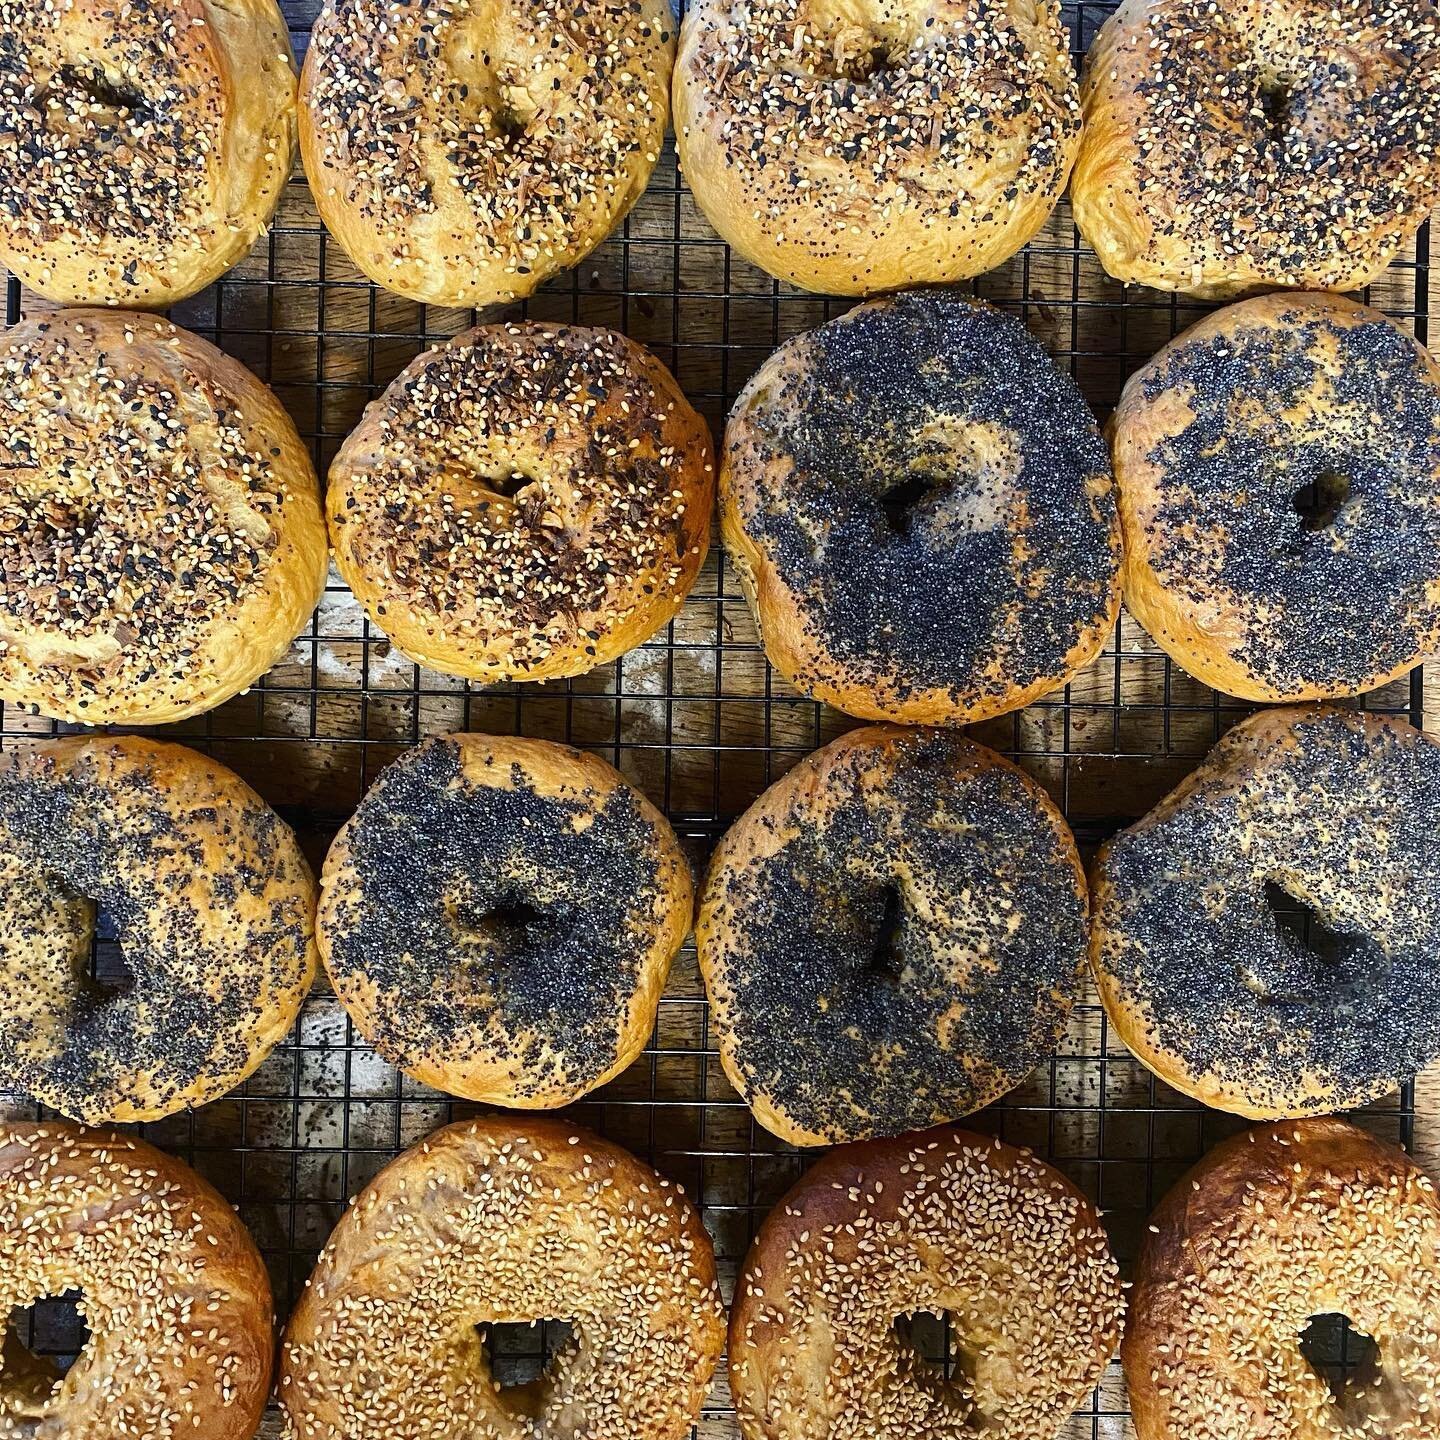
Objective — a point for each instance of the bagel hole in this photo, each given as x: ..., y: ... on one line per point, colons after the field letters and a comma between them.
x: 1320, y: 502
x: 1276, y: 101
x: 110, y: 974
x: 45, y: 1339
x: 1337, y: 954
x: 930, y: 1337
x: 899, y: 502
x: 1342, y: 1356
x: 886, y: 957
x: 70, y: 81
x: 509, y: 483
x: 521, y: 1358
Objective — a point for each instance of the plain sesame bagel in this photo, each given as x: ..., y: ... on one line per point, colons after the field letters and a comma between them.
x: 1258, y: 143
x: 1265, y: 939
x: 143, y: 146
x: 499, y: 917
x: 213, y: 905
x: 504, y: 1220
x: 526, y: 503
x: 172, y: 1289
x: 857, y: 146
x: 1278, y: 468
x: 463, y: 153
x: 161, y: 540
x: 919, y: 507
x: 945, y: 1221
x: 891, y: 936
x: 1271, y: 1229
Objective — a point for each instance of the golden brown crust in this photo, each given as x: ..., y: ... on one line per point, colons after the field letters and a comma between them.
x: 1308, y: 811
x: 891, y: 936
x: 859, y: 148
x: 919, y: 507
x: 499, y: 918
x: 1257, y: 144
x: 214, y: 904
x: 1272, y: 1228
x: 528, y: 502
x: 160, y: 530
x: 143, y: 147
x: 464, y: 154
x: 173, y: 1290
x: 508, y: 1220
x: 1278, y: 469
x: 942, y: 1221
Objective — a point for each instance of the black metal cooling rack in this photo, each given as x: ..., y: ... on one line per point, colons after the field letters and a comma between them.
x: 695, y: 718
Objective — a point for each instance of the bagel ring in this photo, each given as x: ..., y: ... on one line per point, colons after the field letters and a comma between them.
x: 172, y: 1288
x: 1264, y: 940
x: 1271, y: 1229
x: 462, y: 154
x: 214, y: 907
x: 1235, y: 147
x: 143, y: 146
x: 507, y: 1220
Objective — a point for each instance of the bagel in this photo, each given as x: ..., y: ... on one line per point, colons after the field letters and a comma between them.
x: 892, y: 935
x: 463, y: 153
x: 172, y: 1288
x: 161, y: 541
x: 918, y: 505
x: 1259, y: 143
x: 214, y: 906
x: 499, y: 917
x: 526, y: 503
x: 1264, y: 940
x: 507, y: 1220
x: 143, y: 146
x: 1271, y: 1229
x: 1278, y: 468
x: 858, y: 146
x: 946, y: 1221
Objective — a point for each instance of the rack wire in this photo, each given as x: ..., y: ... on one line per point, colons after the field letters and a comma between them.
x: 698, y: 721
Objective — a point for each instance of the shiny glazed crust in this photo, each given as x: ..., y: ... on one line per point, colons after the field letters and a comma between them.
x: 215, y: 907
x: 464, y: 154
x: 858, y: 148
x: 944, y: 1220
x: 145, y: 145
x: 159, y: 489
x: 1271, y: 1228
x: 922, y: 617
x: 499, y: 918
x: 970, y: 866
x: 509, y: 1220
x: 1213, y: 443
x: 527, y: 502
x: 1318, y: 809
x: 174, y: 1292
x: 1259, y: 143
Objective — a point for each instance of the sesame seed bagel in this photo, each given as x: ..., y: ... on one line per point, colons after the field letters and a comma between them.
x: 891, y: 936
x: 944, y: 1221
x: 1259, y: 143
x: 527, y: 502
x: 918, y: 504
x: 172, y: 1288
x: 213, y: 906
x: 499, y: 917
x: 161, y: 541
x: 503, y: 1220
x: 463, y: 153
x: 1272, y: 1228
x: 1278, y: 469
x: 143, y: 146
x: 1265, y: 939
x: 857, y: 146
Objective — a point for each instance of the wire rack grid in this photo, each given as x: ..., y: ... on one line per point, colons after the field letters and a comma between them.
x: 698, y: 721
